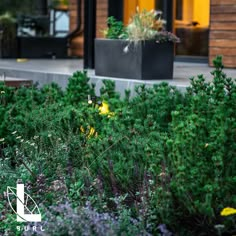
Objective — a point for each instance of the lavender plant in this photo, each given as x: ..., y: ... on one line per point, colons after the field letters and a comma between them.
x: 65, y: 220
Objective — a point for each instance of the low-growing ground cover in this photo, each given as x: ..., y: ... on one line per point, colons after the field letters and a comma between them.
x: 160, y: 163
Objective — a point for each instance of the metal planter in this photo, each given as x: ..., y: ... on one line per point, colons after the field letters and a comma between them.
x: 146, y: 60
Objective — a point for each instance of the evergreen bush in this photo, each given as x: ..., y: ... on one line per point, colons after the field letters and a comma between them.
x: 162, y: 159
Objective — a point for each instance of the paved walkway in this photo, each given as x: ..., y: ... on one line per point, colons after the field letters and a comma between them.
x: 45, y: 71
x: 43, y: 65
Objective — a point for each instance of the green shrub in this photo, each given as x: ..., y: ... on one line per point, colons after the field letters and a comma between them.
x: 163, y: 159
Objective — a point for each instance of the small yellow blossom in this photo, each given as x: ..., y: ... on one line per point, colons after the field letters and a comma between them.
x: 228, y: 211
x: 91, y: 131
x: 206, y: 145
x: 82, y: 129
x: 104, y: 108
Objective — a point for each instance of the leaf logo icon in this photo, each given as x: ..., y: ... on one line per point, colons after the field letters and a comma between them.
x: 26, y: 208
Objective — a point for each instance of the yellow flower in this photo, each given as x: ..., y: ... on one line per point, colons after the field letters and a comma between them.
x: 91, y: 131
x: 228, y: 211
x: 104, y: 108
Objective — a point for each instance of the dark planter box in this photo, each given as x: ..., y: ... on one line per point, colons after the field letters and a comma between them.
x: 147, y: 60
x: 42, y: 47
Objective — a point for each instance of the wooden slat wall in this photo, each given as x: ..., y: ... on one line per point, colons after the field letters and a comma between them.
x: 102, y: 13
x: 223, y: 31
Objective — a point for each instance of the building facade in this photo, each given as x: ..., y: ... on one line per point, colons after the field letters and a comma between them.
x: 223, y: 31
x: 206, y: 27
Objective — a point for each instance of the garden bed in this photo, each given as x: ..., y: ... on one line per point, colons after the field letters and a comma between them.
x: 149, y: 165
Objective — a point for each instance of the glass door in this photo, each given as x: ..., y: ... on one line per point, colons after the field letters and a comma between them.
x: 191, y: 25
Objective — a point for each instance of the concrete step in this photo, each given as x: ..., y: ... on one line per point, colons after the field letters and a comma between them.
x: 41, y: 77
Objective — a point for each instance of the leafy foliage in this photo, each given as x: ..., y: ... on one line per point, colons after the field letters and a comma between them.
x: 148, y: 25
x: 115, y: 29
x: 157, y: 163
x: 144, y: 25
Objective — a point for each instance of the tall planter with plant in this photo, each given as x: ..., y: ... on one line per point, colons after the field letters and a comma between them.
x: 142, y: 50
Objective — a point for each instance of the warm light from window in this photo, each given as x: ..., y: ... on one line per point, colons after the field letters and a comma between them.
x: 131, y: 5
x: 195, y: 10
